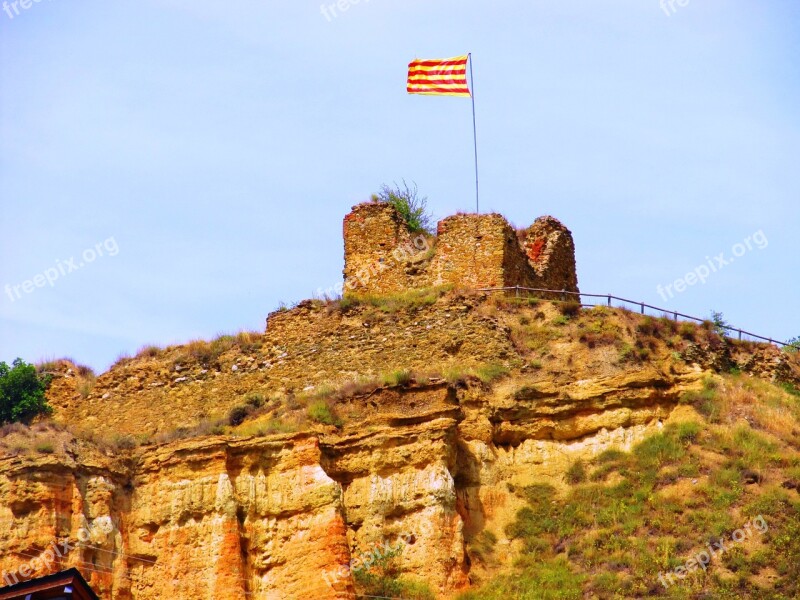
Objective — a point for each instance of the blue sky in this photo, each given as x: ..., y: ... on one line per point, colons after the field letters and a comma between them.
x: 217, y: 146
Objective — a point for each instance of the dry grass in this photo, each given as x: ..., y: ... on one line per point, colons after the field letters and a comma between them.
x: 768, y: 407
x: 207, y: 354
x: 148, y: 352
x: 42, y: 438
x: 400, y: 301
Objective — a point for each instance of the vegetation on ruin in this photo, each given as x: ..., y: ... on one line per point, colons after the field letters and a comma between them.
x: 413, y: 207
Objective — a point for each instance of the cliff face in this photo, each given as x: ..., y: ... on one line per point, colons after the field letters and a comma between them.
x: 221, y: 517
x: 416, y: 469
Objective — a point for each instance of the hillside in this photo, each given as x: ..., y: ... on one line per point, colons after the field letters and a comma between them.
x: 456, y: 443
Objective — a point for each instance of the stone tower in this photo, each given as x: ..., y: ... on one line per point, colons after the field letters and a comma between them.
x: 468, y: 250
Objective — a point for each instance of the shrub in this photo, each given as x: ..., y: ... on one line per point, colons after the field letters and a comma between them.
x: 248, y: 341
x: 45, y: 447
x: 124, y: 442
x: 85, y: 371
x: 320, y: 412
x: 534, y: 338
x: 255, y: 399
x: 687, y: 331
x: 592, y: 339
x: 570, y: 308
x: 22, y: 392
x: 576, y: 472
x: 411, y: 206
x: 238, y: 414
x: 718, y: 323
x: 657, y: 328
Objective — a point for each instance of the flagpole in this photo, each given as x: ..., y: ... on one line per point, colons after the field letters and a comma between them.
x: 474, y: 133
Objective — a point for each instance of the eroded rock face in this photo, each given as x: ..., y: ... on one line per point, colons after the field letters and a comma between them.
x: 420, y: 468
x: 288, y: 516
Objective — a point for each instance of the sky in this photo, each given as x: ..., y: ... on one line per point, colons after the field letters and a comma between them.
x: 176, y: 169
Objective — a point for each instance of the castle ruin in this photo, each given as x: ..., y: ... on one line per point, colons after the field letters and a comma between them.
x: 469, y: 251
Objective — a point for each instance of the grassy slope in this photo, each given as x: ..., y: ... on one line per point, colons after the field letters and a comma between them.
x: 627, y: 518
x: 730, y: 457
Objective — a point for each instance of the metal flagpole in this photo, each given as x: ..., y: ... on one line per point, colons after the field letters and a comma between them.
x: 474, y: 133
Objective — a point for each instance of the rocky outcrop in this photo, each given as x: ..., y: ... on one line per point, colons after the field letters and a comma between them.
x: 492, y: 395
x: 285, y: 516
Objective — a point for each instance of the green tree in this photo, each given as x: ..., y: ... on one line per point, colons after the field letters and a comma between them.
x: 411, y: 206
x: 794, y: 345
x: 22, y: 392
x: 720, y: 324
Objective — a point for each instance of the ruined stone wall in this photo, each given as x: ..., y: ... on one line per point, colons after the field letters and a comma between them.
x: 469, y: 251
x: 550, y: 250
x: 371, y: 233
x: 381, y: 255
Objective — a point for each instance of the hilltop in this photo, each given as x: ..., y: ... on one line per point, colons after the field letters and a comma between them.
x: 435, y: 442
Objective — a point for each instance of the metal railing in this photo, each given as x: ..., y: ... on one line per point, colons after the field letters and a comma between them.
x: 642, y: 306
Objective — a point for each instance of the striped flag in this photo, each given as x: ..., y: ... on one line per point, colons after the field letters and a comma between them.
x: 439, y: 77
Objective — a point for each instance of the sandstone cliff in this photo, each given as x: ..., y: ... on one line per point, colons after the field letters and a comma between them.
x: 402, y: 427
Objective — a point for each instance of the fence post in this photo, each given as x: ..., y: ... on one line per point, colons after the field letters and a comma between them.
x: 740, y: 335
x: 609, y: 300
x: 676, y: 315
x: 642, y: 307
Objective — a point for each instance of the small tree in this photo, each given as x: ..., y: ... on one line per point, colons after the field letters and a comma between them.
x: 719, y: 322
x: 794, y: 345
x: 22, y: 392
x: 411, y: 206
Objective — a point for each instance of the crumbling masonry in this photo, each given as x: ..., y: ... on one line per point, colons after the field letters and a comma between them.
x: 468, y: 251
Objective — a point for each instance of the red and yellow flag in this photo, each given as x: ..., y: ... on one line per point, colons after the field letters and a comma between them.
x: 439, y: 77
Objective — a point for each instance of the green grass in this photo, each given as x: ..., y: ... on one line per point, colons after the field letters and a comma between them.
x: 554, y: 579
x: 576, y: 472
x: 320, y: 412
x: 534, y: 338
x: 612, y: 537
x: 490, y: 372
x: 706, y: 401
x: 45, y: 447
x: 399, y: 377
x: 790, y: 389
x: 482, y: 548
